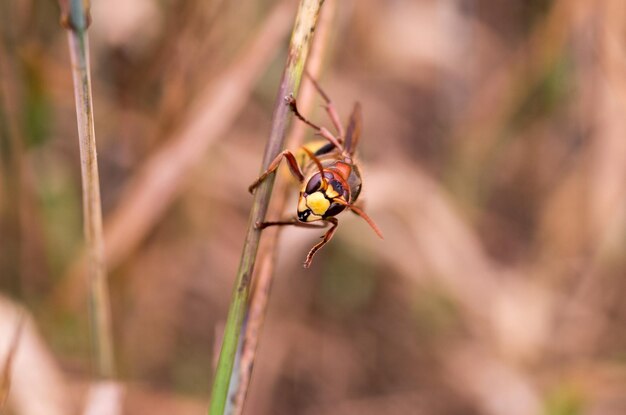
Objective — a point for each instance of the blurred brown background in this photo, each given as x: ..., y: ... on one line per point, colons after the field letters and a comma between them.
x: 494, y: 159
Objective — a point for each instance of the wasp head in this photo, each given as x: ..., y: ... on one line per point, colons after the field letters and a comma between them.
x: 322, y: 197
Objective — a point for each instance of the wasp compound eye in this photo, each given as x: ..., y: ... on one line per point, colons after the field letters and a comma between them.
x: 314, y: 184
x: 334, y: 209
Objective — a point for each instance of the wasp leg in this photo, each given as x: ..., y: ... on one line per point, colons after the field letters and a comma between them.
x: 292, y: 221
x: 327, y: 237
x: 291, y: 101
x: 329, y: 107
x: 293, y: 166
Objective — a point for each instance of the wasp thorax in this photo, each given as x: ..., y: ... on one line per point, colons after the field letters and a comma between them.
x: 321, y: 199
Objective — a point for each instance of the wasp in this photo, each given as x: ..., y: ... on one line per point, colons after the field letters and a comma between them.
x: 327, y: 172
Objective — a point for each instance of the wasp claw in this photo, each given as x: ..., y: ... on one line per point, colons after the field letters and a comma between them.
x: 289, y: 99
x: 258, y: 225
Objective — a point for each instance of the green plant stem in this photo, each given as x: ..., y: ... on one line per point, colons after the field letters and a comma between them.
x: 304, y: 27
x: 75, y: 18
x: 266, y: 259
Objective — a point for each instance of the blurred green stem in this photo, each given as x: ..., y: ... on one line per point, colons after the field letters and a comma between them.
x: 75, y: 17
x: 304, y: 27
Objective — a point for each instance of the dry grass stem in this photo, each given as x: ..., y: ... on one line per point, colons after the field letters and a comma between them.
x: 75, y: 18
x: 304, y: 27
x: 266, y: 260
x: 161, y: 178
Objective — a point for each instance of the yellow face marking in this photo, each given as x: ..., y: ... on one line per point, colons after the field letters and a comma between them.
x: 331, y: 193
x: 313, y: 218
x: 317, y: 203
x: 302, y: 204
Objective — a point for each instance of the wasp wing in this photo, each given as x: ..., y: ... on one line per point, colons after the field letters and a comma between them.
x: 354, y: 129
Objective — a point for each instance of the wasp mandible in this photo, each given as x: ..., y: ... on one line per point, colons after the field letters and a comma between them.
x: 330, y: 179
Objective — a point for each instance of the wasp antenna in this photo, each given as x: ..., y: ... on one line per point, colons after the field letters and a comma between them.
x: 362, y: 214
x: 318, y: 87
x: 367, y: 219
x: 318, y: 164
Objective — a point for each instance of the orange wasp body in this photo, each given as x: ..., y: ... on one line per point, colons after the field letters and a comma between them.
x: 331, y: 182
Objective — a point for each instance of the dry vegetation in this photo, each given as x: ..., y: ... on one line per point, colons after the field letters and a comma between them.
x: 494, y: 157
